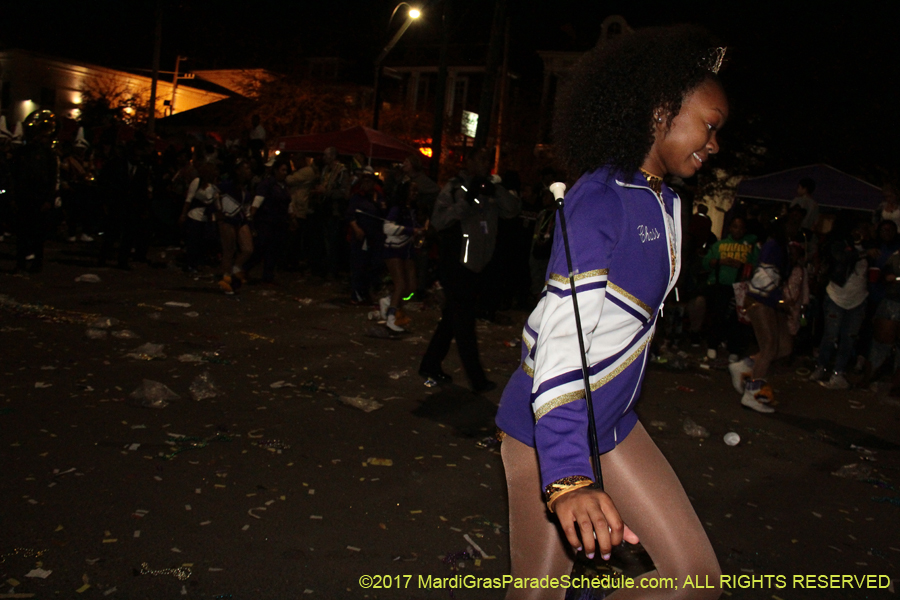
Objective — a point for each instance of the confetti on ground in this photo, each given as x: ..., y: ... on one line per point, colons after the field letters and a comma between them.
x: 38, y: 573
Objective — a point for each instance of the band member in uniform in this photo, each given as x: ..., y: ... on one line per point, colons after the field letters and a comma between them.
x: 645, y: 106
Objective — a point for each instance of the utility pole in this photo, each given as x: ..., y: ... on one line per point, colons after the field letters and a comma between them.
x: 178, y: 60
x: 504, y: 93
x: 440, y: 96
x: 486, y: 105
x: 157, y: 42
x: 376, y: 109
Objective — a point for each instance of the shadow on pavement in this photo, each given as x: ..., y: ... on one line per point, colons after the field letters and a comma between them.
x: 469, y: 414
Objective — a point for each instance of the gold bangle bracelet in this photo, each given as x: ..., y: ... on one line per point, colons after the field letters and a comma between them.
x: 563, y: 486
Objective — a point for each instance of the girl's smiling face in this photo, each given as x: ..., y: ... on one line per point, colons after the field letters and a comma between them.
x: 681, y: 148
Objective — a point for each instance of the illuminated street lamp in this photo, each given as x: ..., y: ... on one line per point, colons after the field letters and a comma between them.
x: 412, y: 15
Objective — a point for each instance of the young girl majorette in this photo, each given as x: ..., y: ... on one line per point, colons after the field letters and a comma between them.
x: 646, y: 106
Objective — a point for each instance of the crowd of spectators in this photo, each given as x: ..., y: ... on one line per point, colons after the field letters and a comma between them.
x: 815, y: 294
x: 790, y: 283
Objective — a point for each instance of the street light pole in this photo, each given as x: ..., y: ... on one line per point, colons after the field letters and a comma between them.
x: 157, y: 42
x: 413, y: 15
x: 178, y: 60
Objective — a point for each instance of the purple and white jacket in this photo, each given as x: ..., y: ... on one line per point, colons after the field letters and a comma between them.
x: 625, y: 245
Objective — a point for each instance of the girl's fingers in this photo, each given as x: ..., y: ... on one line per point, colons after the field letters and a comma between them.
x: 571, y: 531
x: 630, y: 536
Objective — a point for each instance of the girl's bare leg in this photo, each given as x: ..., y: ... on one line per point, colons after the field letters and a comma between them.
x: 649, y: 499
x: 227, y: 239
x: 765, y: 325
x: 398, y: 276
x: 409, y: 267
x: 245, y: 246
x: 785, y: 339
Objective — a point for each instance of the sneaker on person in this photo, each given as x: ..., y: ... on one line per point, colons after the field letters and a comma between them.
x: 711, y: 354
x: 85, y: 238
x: 225, y: 285
x: 392, y: 324
x: 72, y: 238
x: 356, y: 299
x: 383, y: 305
x: 757, y: 395
x: 837, y: 382
x: 741, y: 371
x: 403, y: 319
x: 818, y: 374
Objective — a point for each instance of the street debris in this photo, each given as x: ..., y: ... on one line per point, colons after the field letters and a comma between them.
x: 125, y: 334
x: 148, y: 351
x: 281, y: 384
x: 732, y: 439
x: 88, y: 278
x: 203, y: 387
x: 272, y: 445
x: 38, y: 573
x: 854, y: 471
x: 183, y: 443
x: 256, y: 336
x: 694, y: 430
x: 361, y: 403
x: 153, y: 394
x: 179, y: 573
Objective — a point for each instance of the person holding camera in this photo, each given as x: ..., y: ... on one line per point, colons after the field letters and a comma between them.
x: 465, y: 216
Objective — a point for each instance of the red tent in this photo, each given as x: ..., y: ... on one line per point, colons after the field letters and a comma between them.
x: 373, y: 144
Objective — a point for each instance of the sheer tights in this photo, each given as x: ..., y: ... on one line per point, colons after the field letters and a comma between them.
x: 649, y: 499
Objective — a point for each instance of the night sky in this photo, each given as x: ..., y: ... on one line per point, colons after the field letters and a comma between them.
x: 814, y: 84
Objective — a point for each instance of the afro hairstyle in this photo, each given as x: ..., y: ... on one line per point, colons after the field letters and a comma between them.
x: 605, y: 113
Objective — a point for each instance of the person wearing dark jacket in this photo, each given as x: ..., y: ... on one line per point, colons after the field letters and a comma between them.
x: 128, y: 185
x: 35, y: 171
x: 269, y: 214
x: 844, y: 307
x: 365, y: 218
x: 465, y: 215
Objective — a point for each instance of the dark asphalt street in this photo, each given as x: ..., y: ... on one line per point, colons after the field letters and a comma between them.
x: 281, y: 487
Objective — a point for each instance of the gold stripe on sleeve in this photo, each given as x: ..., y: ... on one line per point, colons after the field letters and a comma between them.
x: 565, y: 280
x: 579, y: 394
x: 646, y: 308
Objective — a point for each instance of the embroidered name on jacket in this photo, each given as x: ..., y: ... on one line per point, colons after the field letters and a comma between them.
x: 646, y: 234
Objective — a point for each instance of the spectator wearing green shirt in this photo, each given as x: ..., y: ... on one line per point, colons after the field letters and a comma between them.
x: 727, y: 261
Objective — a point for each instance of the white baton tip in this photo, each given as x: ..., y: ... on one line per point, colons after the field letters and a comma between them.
x: 558, y: 189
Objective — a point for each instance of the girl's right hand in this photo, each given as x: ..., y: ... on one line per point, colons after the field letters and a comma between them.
x: 590, y: 521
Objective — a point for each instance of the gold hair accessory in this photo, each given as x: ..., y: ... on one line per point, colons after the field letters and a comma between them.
x: 714, y: 59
